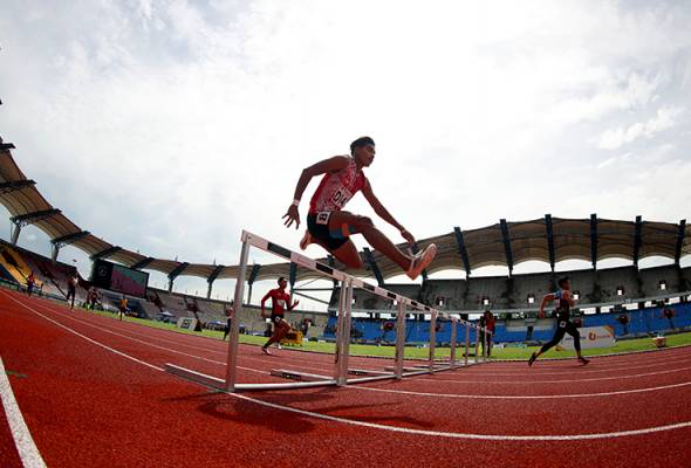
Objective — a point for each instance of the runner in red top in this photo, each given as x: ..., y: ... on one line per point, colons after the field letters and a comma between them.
x: 331, y: 227
x: 280, y: 303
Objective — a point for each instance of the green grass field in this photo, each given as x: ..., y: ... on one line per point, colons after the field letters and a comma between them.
x: 411, y: 352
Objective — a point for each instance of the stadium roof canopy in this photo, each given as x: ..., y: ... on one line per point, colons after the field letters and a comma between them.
x: 506, y: 243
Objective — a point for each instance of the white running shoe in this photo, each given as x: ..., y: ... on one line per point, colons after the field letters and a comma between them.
x: 422, y: 261
x: 266, y: 351
x: 306, y: 240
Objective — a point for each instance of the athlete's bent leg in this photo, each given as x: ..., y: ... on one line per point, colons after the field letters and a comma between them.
x: 573, y: 331
x: 348, y: 255
x: 558, y: 335
x: 354, y: 224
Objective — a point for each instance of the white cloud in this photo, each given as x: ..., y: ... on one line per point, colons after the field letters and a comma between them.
x: 166, y: 126
x: 664, y: 119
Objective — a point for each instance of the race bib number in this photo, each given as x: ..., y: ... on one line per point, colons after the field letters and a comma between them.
x: 341, y: 197
x: 323, y: 218
x: 562, y: 324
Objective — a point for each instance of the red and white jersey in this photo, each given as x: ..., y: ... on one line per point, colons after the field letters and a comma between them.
x: 280, y: 301
x: 337, y: 188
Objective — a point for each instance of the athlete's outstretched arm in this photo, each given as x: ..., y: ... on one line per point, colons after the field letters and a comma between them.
x: 322, y: 167
x: 294, y: 305
x: 383, y: 213
x: 547, y: 298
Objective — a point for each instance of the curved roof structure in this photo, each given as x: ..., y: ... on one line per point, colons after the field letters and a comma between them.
x: 507, y: 243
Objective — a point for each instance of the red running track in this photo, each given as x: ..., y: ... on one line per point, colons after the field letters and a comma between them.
x: 93, y: 393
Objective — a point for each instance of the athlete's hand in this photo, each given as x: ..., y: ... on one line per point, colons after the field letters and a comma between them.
x: 408, y: 236
x: 292, y: 215
x: 295, y: 304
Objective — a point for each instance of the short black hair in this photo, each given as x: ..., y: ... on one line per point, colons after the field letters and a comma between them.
x: 563, y: 281
x: 282, y: 278
x: 362, y: 141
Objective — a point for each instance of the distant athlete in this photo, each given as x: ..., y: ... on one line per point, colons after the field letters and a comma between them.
x: 330, y: 227
x: 563, y: 301
x: 280, y: 303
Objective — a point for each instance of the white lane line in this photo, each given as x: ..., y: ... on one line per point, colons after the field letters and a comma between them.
x: 460, y: 435
x: 221, y: 352
x: 139, y: 341
x: 450, y: 435
x: 580, y: 372
x: 520, y: 397
x: 326, y: 366
x: 97, y: 343
x: 423, y: 379
x: 28, y: 452
x: 523, y: 382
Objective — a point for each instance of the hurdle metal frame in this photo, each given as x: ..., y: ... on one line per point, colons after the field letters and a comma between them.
x: 344, y: 314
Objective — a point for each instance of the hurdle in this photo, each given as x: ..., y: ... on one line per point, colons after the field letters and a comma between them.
x: 341, y: 370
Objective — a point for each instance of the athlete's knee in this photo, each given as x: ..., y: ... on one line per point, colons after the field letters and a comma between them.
x: 363, y: 222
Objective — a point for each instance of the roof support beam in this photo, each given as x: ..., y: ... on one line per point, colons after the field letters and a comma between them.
x: 5, y: 147
x: 13, y: 186
x: 550, y: 241
x: 69, y: 238
x: 143, y: 263
x: 680, y: 241
x: 36, y: 216
x: 293, y: 274
x: 373, y: 265
x: 212, y: 277
x: 637, y: 240
x: 106, y: 253
x: 507, y: 244
x: 254, y: 273
x: 60, y: 242
x: 214, y: 274
x: 253, y: 277
x: 593, y: 240
x: 175, y: 273
x: 462, y: 250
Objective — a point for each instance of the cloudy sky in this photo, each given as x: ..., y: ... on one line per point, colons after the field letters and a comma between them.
x: 167, y: 126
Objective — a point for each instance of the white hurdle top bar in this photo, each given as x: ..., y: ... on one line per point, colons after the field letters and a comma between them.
x: 306, y: 262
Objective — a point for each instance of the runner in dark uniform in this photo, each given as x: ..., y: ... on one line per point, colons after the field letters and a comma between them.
x: 563, y: 301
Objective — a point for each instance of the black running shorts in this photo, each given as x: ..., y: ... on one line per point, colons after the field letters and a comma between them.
x: 318, y: 226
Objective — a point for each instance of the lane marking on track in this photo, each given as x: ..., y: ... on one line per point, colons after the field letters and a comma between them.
x: 523, y: 382
x: 616, y: 368
x: 448, y: 435
x: 28, y: 452
x: 219, y: 351
x: 146, y: 343
x: 328, y: 366
x: 521, y: 397
x: 97, y: 343
x: 423, y: 379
